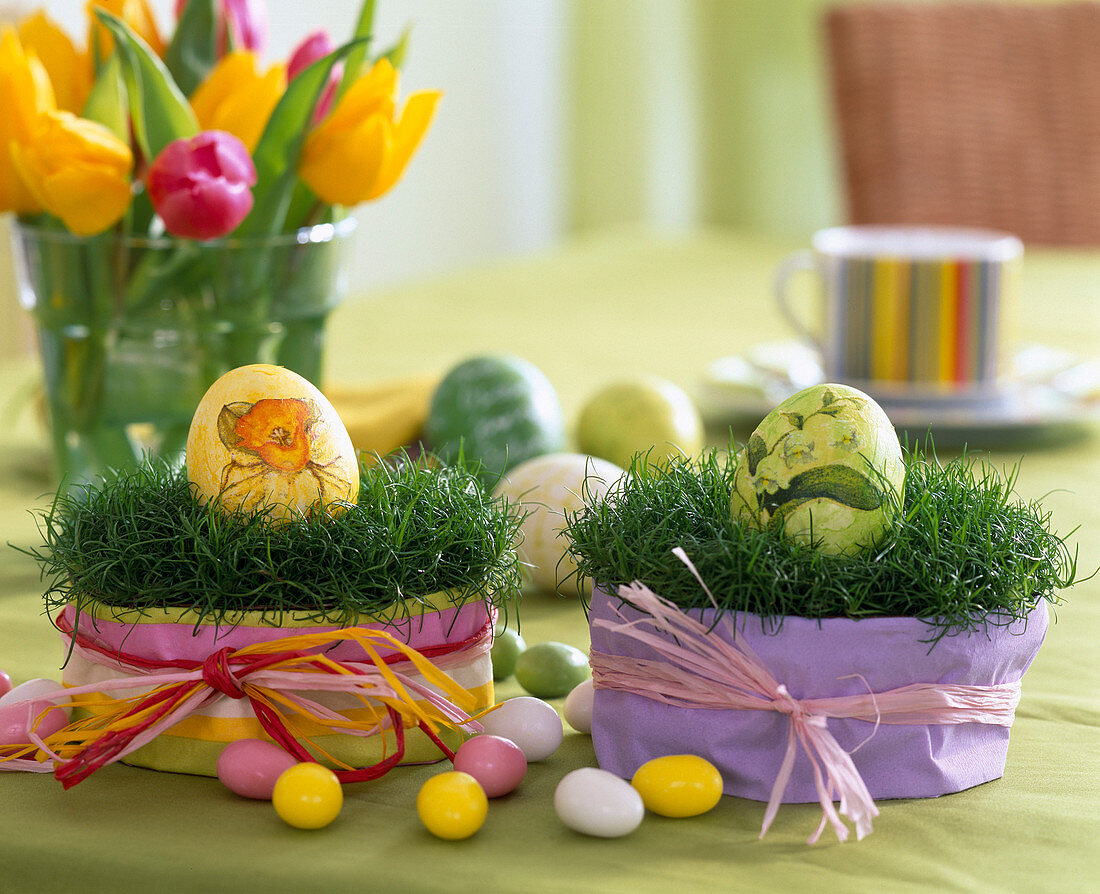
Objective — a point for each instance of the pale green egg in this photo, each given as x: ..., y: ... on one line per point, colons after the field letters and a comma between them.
x: 825, y: 466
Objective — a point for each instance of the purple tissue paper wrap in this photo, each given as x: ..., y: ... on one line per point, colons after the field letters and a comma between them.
x: 817, y: 659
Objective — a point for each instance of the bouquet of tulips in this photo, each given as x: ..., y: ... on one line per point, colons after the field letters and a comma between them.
x: 177, y: 200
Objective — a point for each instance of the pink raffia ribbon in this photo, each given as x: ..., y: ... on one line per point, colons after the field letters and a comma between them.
x: 698, y: 670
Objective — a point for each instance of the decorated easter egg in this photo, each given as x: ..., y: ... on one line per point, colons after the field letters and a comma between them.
x: 678, y: 785
x: 508, y: 645
x: 550, y: 670
x: 497, y: 411
x: 263, y: 437
x: 498, y: 764
x: 530, y: 722
x: 452, y: 805
x: 825, y: 466
x: 550, y: 487
x: 647, y: 414
x: 578, y: 706
x: 250, y: 767
x: 307, y: 796
x: 22, y: 708
x: 595, y: 802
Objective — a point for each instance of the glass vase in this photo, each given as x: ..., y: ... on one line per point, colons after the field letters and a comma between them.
x: 132, y: 331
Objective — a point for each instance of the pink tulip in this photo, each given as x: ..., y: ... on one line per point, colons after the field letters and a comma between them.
x: 246, y: 20
x: 316, y: 46
x: 201, y: 187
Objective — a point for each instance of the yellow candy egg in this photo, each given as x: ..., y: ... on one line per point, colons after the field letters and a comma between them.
x: 307, y: 796
x: 452, y: 805
x: 264, y: 437
x: 678, y: 785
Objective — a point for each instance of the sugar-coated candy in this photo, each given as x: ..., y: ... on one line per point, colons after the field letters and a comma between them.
x: 578, y: 707
x: 530, y: 722
x: 598, y: 803
x: 250, y: 767
x: 452, y: 805
x: 308, y: 796
x: 498, y: 764
x: 678, y: 785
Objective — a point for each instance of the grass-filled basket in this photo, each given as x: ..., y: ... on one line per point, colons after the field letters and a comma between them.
x: 144, y: 578
x: 805, y: 675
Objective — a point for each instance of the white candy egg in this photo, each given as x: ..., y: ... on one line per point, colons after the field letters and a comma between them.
x: 825, y: 465
x: 550, y: 487
x: 263, y: 436
x: 530, y: 722
x: 595, y: 802
x: 578, y: 706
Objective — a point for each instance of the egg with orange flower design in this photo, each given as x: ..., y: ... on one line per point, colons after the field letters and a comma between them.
x: 264, y: 438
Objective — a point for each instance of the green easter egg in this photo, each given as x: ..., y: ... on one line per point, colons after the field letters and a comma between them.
x: 551, y: 670
x: 824, y: 466
x: 501, y: 410
x: 508, y: 645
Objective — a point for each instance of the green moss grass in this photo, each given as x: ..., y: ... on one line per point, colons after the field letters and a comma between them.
x: 140, y: 541
x: 964, y: 551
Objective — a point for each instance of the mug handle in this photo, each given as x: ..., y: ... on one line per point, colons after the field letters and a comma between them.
x: 798, y: 262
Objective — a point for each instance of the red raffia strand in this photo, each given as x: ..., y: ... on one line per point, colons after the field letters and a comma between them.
x: 84, y: 746
x: 696, y: 670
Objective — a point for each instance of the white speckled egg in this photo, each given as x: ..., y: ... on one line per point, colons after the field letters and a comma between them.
x: 825, y: 466
x: 550, y: 486
x: 595, y: 802
x: 263, y: 436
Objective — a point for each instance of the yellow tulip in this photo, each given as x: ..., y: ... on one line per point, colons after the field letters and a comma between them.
x: 77, y: 170
x: 135, y: 13
x: 360, y: 151
x: 238, y: 98
x: 70, y: 71
x: 24, y: 92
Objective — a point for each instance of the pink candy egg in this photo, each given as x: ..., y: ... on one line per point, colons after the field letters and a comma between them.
x: 21, y: 706
x: 250, y: 767
x: 5, y: 683
x: 498, y: 764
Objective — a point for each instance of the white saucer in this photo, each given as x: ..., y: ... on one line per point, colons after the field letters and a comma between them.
x: 1050, y: 394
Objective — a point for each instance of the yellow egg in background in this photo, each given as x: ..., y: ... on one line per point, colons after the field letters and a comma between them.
x: 550, y: 486
x: 263, y: 436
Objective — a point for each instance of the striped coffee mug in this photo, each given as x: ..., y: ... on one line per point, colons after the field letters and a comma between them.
x: 914, y: 309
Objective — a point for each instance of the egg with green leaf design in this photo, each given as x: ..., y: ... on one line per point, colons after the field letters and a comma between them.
x: 824, y: 467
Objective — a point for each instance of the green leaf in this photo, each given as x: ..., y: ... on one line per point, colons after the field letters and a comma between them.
x: 193, y: 51
x: 355, y: 59
x: 834, y: 482
x: 396, y: 53
x: 107, y: 103
x: 276, y: 156
x: 159, y: 112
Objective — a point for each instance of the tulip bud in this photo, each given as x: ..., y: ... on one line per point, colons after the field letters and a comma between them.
x: 77, y: 170
x: 201, y: 187
x: 316, y: 46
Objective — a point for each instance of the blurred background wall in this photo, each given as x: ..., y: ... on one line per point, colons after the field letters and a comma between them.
x: 563, y: 117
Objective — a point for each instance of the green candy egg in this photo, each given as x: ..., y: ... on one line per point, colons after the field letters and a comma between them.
x: 551, y: 670
x: 825, y: 466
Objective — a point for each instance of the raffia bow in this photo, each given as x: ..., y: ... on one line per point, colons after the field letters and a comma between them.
x: 272, y: 676
x: 694, y: 669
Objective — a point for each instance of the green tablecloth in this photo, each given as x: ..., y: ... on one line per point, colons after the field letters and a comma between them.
x: 585, y: 314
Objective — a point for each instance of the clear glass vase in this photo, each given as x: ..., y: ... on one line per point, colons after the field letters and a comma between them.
x: 132, y: 331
